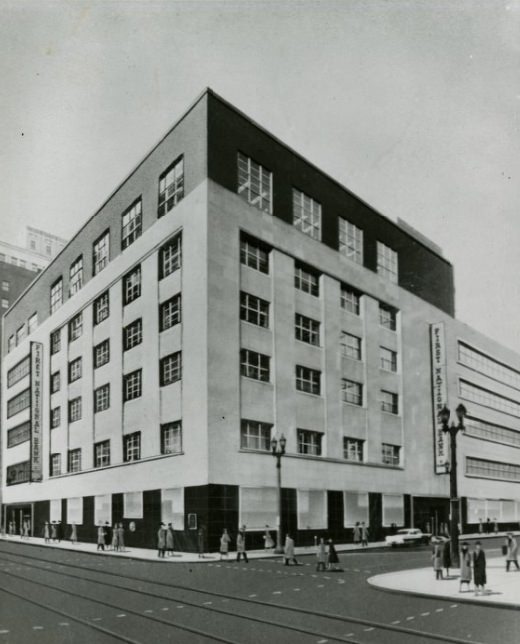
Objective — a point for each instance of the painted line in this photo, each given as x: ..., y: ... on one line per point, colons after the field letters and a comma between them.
x: 368, y: 629
x: 64, y: 624
x: 252, y: 595
x: 165, y: 608
x: 349, y: 635
x: 397, y: 621
x: 454, y: 606
x: 296, y: 590
x: 97, y: 619
x: 121, y: 615
x: 2, y: 632
x: 321, y: 585
x: 37, y: 628
x: 439, y: 610
x: 425, y: 614
x: 409, y: 619
x: 322, y: 641
x: 277, y: 592
x: 148, y: 610
x: 180, y: 606
x: 207, y: 603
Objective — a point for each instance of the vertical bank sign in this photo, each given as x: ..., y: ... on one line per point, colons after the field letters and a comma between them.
x: 36, y: 411
x: 440, y: 395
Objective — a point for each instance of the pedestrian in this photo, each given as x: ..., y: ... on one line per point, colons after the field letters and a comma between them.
x: 200, y: 541
x: 26, y: 528
x: 115, y: 537
x: 46, y: 532
x: 54, y: 532
x: 479, y: 568
x: 58, y: 531
x: 241, y: 545
x: 495, y: 526
x: 268, y: 540
x: 511, y: 552
x: 488, y: 526
x: 364, y: 534
x: 11, y: 528
x: 437, y: 561
x: 332, y: 558
x: 321, y: 556
x: 480, y: 527
x: 169, y: 540
x: 161, y: 541
x: 357, y: 534
x: 225, y: 540
x: 446, y: 558
x: 465, y: 566
x: 101, y: 535
x: 121, y: 537
x: 288, y: 554
x: 73, y: 534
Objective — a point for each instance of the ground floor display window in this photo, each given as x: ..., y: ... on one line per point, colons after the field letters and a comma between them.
x: 75, y: 510
x: 133, y: 505
x: 55, y: 510
x: 103, y: 509
x: 258, y: 507
x: 312, y: 509
x: 172, y: 507
x: 355, y: 508
x: 393, y: 510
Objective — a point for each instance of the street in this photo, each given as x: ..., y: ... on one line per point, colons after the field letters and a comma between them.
x: 55, y: 596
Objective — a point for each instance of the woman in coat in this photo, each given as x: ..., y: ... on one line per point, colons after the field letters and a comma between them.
x: 46, y: 532
x: 268, y: 540
x: 321, y: 556
x: 288, y: 554
x: 357, y: 534
x: 225, y: 540
x: 437, y: 561
x: 74, y: 534
x: 169, y: 540
x: 332, y: 559
x: 161, y: 541
x: 101, y: 534
x: 241, y: 546
x: 115, y: 537
x: 465, y: 566
x: 479, y: 569
x: 121, y: 537
x: 446, y: 557
x: 54, y: 531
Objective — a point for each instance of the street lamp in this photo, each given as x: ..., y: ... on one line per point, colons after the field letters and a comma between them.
x: 453, y: 430
x: 278, y: 450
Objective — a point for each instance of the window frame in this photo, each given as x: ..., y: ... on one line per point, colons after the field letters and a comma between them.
x: 132, y: 229
x: 167, y: 199
x: 101, y: 252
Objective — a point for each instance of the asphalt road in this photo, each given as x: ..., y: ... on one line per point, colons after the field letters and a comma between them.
x: 57, y: 597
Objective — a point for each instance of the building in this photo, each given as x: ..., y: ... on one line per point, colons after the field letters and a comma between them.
x: 228, y: 291
x: 44, y: 243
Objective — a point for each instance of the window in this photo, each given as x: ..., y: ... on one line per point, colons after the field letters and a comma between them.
x: 171, y: 438
x: 482, y: 363
x: 255, y: 435
x: 100, y: 252
x: 76, y: 276
x: 74, y: 409
x: 353, y: 449
x: 387, y: 262
x: 5, y: 303
x: 55, y: 417
x: 11, y: 343
x: 170, y: 312
x: 102, y: 398
x: 257, y: 507
x: 254, y: 365
x: 76, y: 327
x: 254, y: 310
x: 306, y: 329
x: 483, y: 468
x: 101, y: 308
x: 171, y: 187
x: 56, y: 295
x: 390, y: 454
x: 132, y: 447
x: 393, y: 510
x: 255, y: 183
x: 309, y: 442
x: 20, y: 334
x: 19, y: 371
x: 101, y: 353
x: 486, y: 398
x: 18, y: 473
x: 352, y: 392
x: 350, y: 240
x: 306, y: 214
x: 387, y: 317
x: 74, y: 460
x: 5, y: 286
x: 306, y: 279
x: 387, y: 359
x: 55, y: 465
x: 311, y: 509
x: 132, y: 285
x: 491, y: 432
x: 102, y: 454
x: 132, y: 334
x: 350, y: 346
x: 355, y: 508
x: 308, y: 380
x: 170, y: 256
x: 254, y: 253
x: 170, y: 368
x: 131, y: 224
x: 75, y: 369
x: 55, y: 341
x: 19, y: 434
x: 18, y: 403
x: 132, y: 385
x: 389, y: 402
x: 55, y: 382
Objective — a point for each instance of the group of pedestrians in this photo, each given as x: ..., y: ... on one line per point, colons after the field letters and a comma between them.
x: 472, y: 565
x: 165, y: 540
x: 114, y: 540
x: 360, y: 535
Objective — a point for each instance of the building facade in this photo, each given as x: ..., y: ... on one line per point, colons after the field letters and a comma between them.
x: 227, y: 292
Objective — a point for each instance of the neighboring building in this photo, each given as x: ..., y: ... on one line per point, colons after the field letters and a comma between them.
x: 226, y: 292
x: 44, y: 243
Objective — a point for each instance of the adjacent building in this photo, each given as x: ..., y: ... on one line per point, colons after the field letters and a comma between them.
x: 228, y: 291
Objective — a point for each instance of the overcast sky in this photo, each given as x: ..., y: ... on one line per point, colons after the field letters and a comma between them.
x: 413, y: 105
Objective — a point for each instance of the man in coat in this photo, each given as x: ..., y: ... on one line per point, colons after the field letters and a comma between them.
x: 479, y: 569
x: 161, y: 540
x: 241, y: 545
x: 288, y: 554
x: 511, y: 552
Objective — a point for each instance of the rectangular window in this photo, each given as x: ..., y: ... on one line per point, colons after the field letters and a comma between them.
x: 254, y: 365
x: 56, y: 299
x: 355, y: 509
x: 19, y: 371
x: 76, y: 276
x: 170, y: 256
x: 75, y: 369
x: 74, y: 460
x: 306, y: 279
x: 352, y: 392
x: 20, y: 334
x: 255, y: 183
x: 55, y: 417
x: 74, y: 410
x: 171, y: 187
x: 5, y: 303
x: 387, y: 262
x: 18, y: 473
x: 170, y: 368
x: 482, y: 468
x: 254, y: 253
x: 76, y: 327
x: 131, y: 224
x: 55, y: 382
x: 312, y: 509
x: 308, y: 380
x: 32, y: 323
x: 390, y: 454
x: 350, y: 240
x: 132, y: 285
x: 488, y: 366
x: 101, y: 398
x: 387, y: 317
x: 171, y: 438
x: 353, y: 449
x: 132, y: 385
x: 490, y: 431
x: 486, y: 398
x: 101, y: 353
x: 306, y: 329
x: 306, y: 214
x: 102, y: 454
x: 100, y: 252
x: 257, y: 507
x: 55, y: 341
x: 55, y: 465
x: 393, y: 510
x: 101, y: 308
x: 255, y: 435
x: 350, y: 346
x: 5, y: 286
x: 19, y: 434
x: 132, y: 447
x: 133, y: 334
x: 11, y: 343
x: 389, y: 402
x: 170, y: 312
x: 18, y: 403
x: 254, y: 310
x: 309, y: 442
x: 387, y: 359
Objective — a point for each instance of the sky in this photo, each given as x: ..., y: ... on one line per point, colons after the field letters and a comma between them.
x: 414, y: 105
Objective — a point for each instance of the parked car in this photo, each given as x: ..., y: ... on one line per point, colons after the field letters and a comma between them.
x: 407, y: 536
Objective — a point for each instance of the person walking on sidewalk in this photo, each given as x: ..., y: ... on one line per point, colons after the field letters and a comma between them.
x: 332, y: 559
x: 364, y: 535
x: 268, y: 540
x: 169, y: 540
x: 241, y: 545
x: 437, y: 561
x: 161, y: 541
x: 54, y: 532
x: 321, y: 556
x: 200, y: 542
x: 108, y: 536
x: 511, y: 552
x: 73, y: 534
x: 357, y: 534
x: 479, y: 569
x: 465, y: 566
x: 101, y: 534
x: 115, y: 538
x: 446, y: 558
x: 288, y: 554
x: 46, y: 532
x: 121, y: 537
x: 225, y: 540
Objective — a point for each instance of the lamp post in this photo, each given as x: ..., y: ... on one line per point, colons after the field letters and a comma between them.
x: 278, y: 450
x: 453, y: 430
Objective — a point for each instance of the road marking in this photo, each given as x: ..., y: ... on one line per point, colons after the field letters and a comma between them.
x: 325, y: 577
x: 321, y: 585
x: 165, y: 608
x: 409, y: 619
x: 368, y: 629
x: 207, y: 603
x: 64, y: 624
x: 277, y: 592
x: 180, y: 606
x: 397, y: 621
x: 148, y: 610
x: 356, y: 570
x: 439, y: 610
x: 96, y: 619
x: 454, y: 606
x: 425, y: 614
x: 252, y: 595
x: 322, y: 641
x: 4, y: 631
x: 296, y: 590
x: 121, y: 615
x: 349, y: 635
x: 37, y: 628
